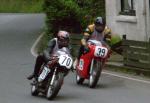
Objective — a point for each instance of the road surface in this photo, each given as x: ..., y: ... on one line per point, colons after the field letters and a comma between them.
x: 17, y: 34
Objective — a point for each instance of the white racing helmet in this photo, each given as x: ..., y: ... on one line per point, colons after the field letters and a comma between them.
x: 63, y: 38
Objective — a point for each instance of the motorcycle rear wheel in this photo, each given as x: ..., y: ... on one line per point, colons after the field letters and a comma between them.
x: 34, y: 90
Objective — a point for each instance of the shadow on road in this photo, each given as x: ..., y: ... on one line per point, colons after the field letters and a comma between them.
x: 59, y: 97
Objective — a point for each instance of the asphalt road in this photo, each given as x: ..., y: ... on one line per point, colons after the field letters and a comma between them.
x: 17, y: 34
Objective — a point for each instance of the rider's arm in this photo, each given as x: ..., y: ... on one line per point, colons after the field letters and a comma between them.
x: 107, y: 33
x: 49, y: 48
x: 86, y: 36
x: 84, y: 40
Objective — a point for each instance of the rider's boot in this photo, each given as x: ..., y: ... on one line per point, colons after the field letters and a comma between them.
x: 31, y: 76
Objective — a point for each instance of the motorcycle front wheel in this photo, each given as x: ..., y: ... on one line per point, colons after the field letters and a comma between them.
x: 53, y: 89
x: 95, y: 75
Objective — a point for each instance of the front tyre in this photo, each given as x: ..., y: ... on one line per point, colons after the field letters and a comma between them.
x: 95, y: 75
x: 49, y: 94
x: 53, y: 90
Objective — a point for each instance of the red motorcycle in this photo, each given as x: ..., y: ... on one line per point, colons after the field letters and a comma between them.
x: 90, y: 64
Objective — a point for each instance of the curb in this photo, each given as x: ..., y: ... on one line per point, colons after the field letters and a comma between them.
x: 33, y: 49
x: 120, y: 67
x: 113, y: 65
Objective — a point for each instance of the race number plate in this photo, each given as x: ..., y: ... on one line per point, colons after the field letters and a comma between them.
x: 44, y: 73
x: 100, y: 52
x: 81, y: 64
x: 65, y: 60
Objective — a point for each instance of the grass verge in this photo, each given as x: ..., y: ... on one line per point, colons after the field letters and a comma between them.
x: 21, y: 6
x: 128, y: 70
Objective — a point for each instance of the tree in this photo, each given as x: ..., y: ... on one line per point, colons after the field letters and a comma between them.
x: 72, y: 15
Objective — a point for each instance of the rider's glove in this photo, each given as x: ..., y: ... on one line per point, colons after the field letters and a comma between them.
x: 47, y: 58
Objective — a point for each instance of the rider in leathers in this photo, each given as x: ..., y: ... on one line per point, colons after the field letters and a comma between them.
x: 62, y: 40
x: 97, y: 31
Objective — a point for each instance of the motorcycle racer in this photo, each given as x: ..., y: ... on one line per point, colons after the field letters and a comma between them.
x: 97, y: 31
x: 62, y: 40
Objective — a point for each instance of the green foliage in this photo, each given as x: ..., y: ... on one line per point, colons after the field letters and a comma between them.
x: 21, y: 6
x: 72, y: 15
x: 62, y: 14
x: 43, y: 43
x: 92, y: 9
x: 115, y: 39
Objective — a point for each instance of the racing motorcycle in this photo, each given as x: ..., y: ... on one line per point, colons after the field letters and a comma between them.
x: 51, y: 75
x: 90, y: 64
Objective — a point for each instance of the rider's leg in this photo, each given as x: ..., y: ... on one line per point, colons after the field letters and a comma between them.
x: 80, y: 52
x: 39, y: 61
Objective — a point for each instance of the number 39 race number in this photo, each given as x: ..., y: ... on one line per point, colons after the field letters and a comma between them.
x: 100, y: 52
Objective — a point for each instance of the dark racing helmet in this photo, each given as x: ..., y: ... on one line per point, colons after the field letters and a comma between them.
x: 100, y: 24
x: 63, y: 38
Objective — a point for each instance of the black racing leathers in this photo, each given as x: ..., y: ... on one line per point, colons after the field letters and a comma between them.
x: 44, y: 57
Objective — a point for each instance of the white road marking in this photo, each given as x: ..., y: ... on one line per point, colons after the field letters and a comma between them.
x: 129, y: 78
x: 35, y: 44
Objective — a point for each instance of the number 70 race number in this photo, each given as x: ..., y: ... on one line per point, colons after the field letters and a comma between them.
x: 65, y: 60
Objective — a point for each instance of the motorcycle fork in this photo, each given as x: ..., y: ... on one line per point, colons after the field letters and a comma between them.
x: 91, y: 67
x: 53, y: 76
